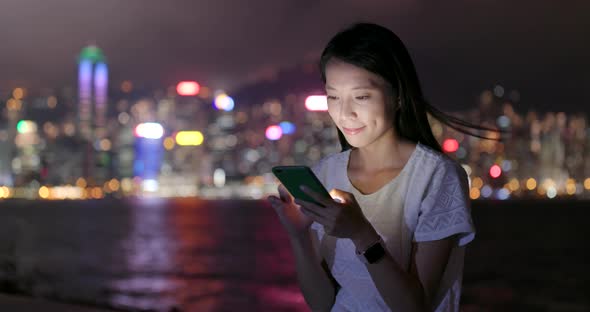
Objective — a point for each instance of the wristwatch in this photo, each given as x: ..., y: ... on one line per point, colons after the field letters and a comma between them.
x: 373, y: 253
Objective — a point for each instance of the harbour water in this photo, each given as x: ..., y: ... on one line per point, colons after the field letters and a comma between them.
x: 233, y: 255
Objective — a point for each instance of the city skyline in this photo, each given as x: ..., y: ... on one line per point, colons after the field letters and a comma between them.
x: 142, y: 149
x: 534, y: 48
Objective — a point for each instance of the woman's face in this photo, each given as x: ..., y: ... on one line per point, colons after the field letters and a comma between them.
x: 357, y: 102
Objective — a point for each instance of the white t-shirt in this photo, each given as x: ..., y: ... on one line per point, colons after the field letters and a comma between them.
x: 428, y: 200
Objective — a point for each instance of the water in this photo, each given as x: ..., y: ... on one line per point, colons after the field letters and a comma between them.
x: 233, y: 255
x: 150, y: 255
x: 528, y: 256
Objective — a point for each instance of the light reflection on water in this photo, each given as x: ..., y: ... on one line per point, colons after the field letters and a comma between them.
x: 192, y: 255
x: 182, y: 254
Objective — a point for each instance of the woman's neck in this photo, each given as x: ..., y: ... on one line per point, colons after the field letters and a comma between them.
x: 388, y: 152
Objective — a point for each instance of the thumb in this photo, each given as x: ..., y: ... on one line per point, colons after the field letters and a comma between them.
x: 276, y: 203
x: 284, y: 194
x: 341, y: 196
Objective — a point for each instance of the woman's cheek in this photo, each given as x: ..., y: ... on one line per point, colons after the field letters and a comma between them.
x: 333, y: 112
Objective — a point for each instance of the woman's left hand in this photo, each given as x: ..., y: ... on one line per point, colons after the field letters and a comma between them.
x: 341, y: 217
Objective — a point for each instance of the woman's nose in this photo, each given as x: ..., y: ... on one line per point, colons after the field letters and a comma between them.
x: 348, y: 111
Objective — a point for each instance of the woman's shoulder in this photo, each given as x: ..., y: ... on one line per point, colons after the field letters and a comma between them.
x: 330, y: 160
x: 435, y: 163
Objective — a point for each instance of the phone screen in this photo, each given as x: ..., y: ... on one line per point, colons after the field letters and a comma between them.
x: 292, y: 177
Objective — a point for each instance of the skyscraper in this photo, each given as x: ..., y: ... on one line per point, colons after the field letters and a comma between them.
x: 92, y: 103
x: 92, y: 91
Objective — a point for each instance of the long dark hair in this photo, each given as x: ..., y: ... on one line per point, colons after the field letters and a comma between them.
x: 378, y: 50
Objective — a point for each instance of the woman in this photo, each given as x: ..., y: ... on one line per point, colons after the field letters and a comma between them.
x: 392, y: 237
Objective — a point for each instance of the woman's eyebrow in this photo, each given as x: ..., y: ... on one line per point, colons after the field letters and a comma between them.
x: 365, y: 87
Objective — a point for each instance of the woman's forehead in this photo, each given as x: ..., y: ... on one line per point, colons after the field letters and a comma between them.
x: 340, y: 74
x: 353, y: 84
x: 356, y: 79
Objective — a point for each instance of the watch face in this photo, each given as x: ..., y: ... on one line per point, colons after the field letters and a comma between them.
x: 374, y: 253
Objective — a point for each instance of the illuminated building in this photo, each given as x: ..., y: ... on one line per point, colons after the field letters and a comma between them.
x: 92, y: 109
x: 148, y: 154
x: 92, y: 90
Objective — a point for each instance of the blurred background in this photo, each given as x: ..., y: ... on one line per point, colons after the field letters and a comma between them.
x: 137, y: 138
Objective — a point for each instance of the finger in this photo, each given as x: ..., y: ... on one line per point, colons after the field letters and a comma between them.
x: 313, y: 207
x: 314, y: 215
x: 341, y: 196
x: 275, y: 202
x: 274, y: 199
x: 278, y: 205
x: 326, y: 201
x: 284, y: 194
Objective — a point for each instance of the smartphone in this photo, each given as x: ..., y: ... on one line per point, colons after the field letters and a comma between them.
x: 292, y: 177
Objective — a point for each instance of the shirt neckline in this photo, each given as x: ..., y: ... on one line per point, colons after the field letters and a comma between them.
x: 384, y: 186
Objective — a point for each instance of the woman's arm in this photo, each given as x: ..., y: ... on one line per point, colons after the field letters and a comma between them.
x: 401, y: 290
x: 414, y: 290
x: 315, y: 282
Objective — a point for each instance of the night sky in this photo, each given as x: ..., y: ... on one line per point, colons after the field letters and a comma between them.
x: 540, y: 48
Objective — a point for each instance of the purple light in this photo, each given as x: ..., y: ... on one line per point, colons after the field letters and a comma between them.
x: 274, y: 132
x: 85, y: 88
x: 101, y: 76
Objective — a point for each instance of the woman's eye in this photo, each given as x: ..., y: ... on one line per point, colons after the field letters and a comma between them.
x: 362, y: 97
x: 331, y: 97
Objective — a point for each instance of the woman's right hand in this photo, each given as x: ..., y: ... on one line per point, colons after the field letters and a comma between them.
x: 294, y: 221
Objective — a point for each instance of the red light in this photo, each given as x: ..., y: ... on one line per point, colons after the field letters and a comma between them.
x: 495, y: 171
x: 188, y: 88
x: 450, y: 145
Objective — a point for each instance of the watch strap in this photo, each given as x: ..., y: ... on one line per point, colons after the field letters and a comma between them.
x: 373, y: 253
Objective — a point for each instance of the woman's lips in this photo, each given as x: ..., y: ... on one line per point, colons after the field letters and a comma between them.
x: 352, y: 131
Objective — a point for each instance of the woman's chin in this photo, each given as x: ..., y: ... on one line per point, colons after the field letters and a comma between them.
x: 356, y: 142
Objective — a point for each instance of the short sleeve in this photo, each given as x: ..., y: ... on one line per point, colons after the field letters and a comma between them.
x: 316, y: 168
x: 445, y: 209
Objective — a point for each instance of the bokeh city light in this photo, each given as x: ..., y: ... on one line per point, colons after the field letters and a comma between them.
x: 224, y: 102
x: 495, y: 171
x: 316, y: 103
x: 188, y: 88
x: 274, y: 132
x: 149, y: 130
x: 185, y: 138
x: 450, y: 145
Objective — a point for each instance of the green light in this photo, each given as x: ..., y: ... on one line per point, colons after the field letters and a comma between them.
x: 26, y: 126
x: 21, y: 126
x: 104, y: 159
x: 92, y: 53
